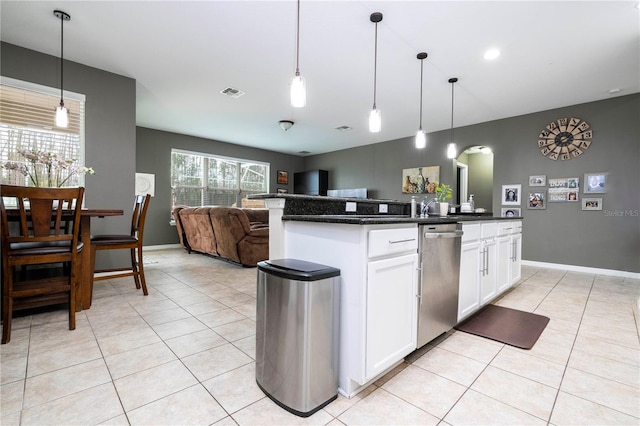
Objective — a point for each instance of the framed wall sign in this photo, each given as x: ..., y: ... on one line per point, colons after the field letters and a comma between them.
x: 564, y: 190
x: 592, y: 204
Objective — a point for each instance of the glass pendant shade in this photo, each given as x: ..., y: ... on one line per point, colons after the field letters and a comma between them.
x: 421, y: 139
x: 62, y: 116
x: 375, y: 121
x: 452, y: 150
x: 298, y: 92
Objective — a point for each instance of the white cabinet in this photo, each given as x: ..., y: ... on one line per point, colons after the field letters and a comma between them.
x: 504, y: 256
x: 378, y: 287
x: 516, y: 250
x: 468, y: 296
x: 391, y: 312
x: 490, y: 263
x: 488, y: 270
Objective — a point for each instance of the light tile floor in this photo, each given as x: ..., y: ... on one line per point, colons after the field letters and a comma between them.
x: 185, y: 355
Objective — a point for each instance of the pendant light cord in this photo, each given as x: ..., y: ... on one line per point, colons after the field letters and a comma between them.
x: 375, y: 66
x: 298, y: 42
x: 61, y: 58
x: 451, y: 132
x: 421, y: 79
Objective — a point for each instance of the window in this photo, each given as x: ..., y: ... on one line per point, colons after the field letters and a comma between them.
x: 27, y: 117
x: 207, y: 180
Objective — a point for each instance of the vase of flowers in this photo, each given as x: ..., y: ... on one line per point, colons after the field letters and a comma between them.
x: 46, y: 169
x: 443, y: 192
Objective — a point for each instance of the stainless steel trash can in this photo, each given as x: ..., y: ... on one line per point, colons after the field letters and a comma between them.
x: 297, y: 326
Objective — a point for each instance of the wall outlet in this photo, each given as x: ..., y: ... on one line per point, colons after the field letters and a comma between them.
x: 383, y: 208
x: 351, y: 206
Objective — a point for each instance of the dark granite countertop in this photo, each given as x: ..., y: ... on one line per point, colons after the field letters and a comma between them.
x: 379, y: 219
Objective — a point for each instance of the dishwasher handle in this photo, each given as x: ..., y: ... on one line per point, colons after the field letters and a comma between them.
x: 449, y: 234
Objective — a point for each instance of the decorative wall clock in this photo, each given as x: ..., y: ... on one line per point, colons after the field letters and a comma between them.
x: 565, y: 138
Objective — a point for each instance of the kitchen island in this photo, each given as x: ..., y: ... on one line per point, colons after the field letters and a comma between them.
x: 377, y: 254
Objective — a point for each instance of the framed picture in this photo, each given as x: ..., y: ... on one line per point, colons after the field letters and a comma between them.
x: 511, y: 212
x: 282, y: 190
x: 595, y: 183
x: 420, y: 180
x: 592, y: 204
x: 283, y: 177
x: 562, y: 190
x: 538, y: 180
x: 537, y: 200
x: 511, y: 195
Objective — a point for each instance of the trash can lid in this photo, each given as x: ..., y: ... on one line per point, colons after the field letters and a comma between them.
x: 298, y: 269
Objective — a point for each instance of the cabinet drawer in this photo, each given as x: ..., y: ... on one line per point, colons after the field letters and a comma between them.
x: 470, y: 232
x: 516, y: 227
x: 489, y: 230
x: 505, y: 228
x: 383, y: 242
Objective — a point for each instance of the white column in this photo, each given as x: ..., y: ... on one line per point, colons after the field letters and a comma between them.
x: 276, y: 227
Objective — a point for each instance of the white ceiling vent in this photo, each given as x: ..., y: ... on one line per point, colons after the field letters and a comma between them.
x: 343, y: 128
x: 230, y: 91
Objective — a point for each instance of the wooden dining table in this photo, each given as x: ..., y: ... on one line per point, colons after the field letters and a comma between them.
x: 85, y: 290
x: 83, y: 301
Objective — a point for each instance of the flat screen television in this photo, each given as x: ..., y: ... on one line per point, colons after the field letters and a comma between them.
x: 314, y: 182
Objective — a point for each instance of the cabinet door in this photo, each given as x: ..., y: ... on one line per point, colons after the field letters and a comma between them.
x: 392, y: 316
x: 488, y: 271
x: 516, y: 259
x: 504, y: 259
x: 469, y: 295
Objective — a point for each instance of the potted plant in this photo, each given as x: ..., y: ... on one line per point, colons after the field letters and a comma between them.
x: 443, y: 192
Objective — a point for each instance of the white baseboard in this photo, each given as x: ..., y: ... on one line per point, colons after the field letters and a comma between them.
x: 574, y: 268
x: 161, y: 247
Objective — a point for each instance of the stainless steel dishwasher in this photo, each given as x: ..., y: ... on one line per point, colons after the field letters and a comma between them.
x: 439, y: 280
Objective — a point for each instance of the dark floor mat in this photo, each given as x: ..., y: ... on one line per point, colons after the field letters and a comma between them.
x: 506, y: 325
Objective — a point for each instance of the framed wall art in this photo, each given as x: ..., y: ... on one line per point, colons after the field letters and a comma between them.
x: 592, y: 204
x: 283, y: 177
x: 563, y: 190
x: 595, y: 183
x: 511, y: 212
x: 511, y: 195
x: 538, y: 180
x: 420, y: 180
x: 537, y: 200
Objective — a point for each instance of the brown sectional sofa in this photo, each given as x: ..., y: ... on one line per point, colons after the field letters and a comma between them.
x: 234, y: 234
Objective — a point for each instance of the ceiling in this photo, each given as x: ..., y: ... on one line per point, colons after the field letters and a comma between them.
x: 182, y: 54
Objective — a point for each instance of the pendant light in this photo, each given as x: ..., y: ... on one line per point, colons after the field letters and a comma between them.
x: 62, y: 114
x: 375, y: 119
x: 452, y: 149
x: 421, y: 136
x: 298, y: 85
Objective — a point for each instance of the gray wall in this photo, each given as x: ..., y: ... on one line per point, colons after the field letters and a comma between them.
x: 154, y: 156
x: 110, y: 128
x: 562, y: 233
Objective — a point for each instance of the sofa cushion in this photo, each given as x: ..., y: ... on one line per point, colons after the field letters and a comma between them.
x: 198, y: 230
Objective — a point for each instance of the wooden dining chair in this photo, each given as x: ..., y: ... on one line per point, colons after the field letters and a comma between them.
x: 131, y: 241
x: 42, y: 229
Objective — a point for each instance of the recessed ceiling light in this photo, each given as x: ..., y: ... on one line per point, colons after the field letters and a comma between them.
x: 614, y: 91
x: 491, y: 54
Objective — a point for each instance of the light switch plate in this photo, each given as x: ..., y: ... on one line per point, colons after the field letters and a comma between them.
x: 351, y: 206
x: 383, y: 208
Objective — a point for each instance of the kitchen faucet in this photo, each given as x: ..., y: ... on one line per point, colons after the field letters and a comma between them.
x: 424, y: 206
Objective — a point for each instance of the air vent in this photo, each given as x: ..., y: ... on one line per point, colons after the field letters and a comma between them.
x: 304, y: 152
x: 343, y: 128
x: 230, y: 91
